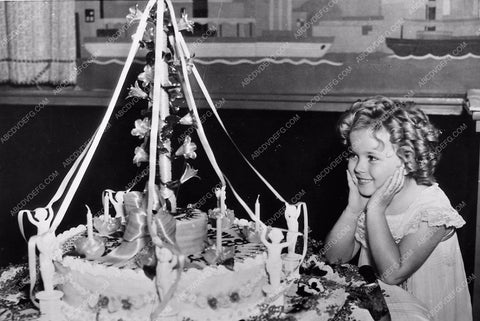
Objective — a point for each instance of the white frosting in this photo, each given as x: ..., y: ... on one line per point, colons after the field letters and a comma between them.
x: 74, y: 231
x: 85, y: 282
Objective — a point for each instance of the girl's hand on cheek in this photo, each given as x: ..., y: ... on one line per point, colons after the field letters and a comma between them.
x: 385, y: 194
x: 356, y: 202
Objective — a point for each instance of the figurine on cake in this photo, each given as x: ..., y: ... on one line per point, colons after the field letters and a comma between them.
x: 49, y: 250
x: 274, y: 263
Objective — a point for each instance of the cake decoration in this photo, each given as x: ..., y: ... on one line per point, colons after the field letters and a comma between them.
x: 92, y: 246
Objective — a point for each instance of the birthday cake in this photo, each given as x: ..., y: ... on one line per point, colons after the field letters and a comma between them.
x: 151, y: 260
x: 204, y: 292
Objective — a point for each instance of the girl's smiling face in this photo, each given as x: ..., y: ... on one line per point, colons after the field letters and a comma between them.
x: 373, y: 159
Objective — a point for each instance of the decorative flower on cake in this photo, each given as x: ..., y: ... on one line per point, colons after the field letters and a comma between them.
x: 142, y: 128
x: 185, y: 23
x: 126, y: 305
x: 186, y: 120
x: 140, y: 156
x: 234, y: 297
x: 189, y: 172
x: 136, y: 91
x: 102, y: 301
x: 187, y: 149
x: 174, y: 91
x: 212, y: 302
x: 134, y: 15
x: 146, y: 77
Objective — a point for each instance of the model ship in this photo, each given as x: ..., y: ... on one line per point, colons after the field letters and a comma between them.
x: 449, y: 28
x: 243, y: 34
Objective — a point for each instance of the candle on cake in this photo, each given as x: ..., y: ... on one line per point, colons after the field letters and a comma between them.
x: 106, y: 206
x: 89, y: 225
x: 220, y: 193
x: 257, y: 214
x: 91, y: 246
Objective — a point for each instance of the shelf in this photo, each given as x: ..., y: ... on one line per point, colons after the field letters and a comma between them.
x: 288, y: 102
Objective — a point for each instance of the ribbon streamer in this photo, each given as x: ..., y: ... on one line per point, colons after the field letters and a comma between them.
x: 103, y: 125
x: 135, y: 235
x: 183, y: 51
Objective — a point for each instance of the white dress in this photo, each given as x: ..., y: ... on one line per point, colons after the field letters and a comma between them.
x: 440, y: 283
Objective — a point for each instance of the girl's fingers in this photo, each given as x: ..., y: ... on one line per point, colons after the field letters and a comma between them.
x: 399, y: 179
x: 350, y: 180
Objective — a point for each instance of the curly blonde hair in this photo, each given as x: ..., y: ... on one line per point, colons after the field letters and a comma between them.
x: 411, y: 131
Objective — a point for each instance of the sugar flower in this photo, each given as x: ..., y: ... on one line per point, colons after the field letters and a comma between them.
x: 186, y: 120
x: 189, y: 63
x: 136, y: 91
x: 187, y: 149
x: 190, y: 172
x: 142, y: 128
x: 134, y: 14
x: 146, y: 77
x: 184, y: 23
x: 174, y: 90
x: 140, y: 156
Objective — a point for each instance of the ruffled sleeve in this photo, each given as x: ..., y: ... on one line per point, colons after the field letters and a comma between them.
x: 434, y: 209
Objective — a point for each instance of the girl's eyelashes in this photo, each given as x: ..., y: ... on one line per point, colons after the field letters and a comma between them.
x: 370, y: 157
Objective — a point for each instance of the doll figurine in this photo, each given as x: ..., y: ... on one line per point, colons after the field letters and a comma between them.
x: 292, y: 212
x: 274, y: 260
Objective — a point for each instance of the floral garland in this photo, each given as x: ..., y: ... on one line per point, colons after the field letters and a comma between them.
x: 143, y: 89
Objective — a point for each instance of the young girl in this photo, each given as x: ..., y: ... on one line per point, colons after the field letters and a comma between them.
x: 397, y: 216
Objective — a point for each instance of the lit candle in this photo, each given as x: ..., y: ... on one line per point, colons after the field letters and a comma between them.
x: 218, y: 193
x: 223, y: 209
x: 257, y: 214
x: 223, y: 206
x: 219, y: 233
x: 106, y: 205
x: 89, y: 224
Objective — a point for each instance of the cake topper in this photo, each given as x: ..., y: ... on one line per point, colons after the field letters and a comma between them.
x: 274, y: 262
x: 221, y: 197
x: 292, y: 213
x: 106, y: 224
x: 117, y: 199
x: 48, y: 246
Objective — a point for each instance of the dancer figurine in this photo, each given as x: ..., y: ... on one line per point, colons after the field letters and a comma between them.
x: 292, y: 212
x: 166, y: 273
x: 168, y: 266
x: 274, y: 260
x: 49, y: 249
x: 46, y: 243
x: 117, y: 200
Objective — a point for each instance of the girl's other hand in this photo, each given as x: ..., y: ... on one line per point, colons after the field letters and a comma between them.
x: 356, y: 202
x: 385, y: 194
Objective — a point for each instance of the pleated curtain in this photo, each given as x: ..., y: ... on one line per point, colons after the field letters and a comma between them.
x: 37, y: 42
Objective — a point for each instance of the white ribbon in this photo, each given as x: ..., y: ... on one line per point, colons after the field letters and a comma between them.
x: 183, y: 52
x: 103, y: 125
